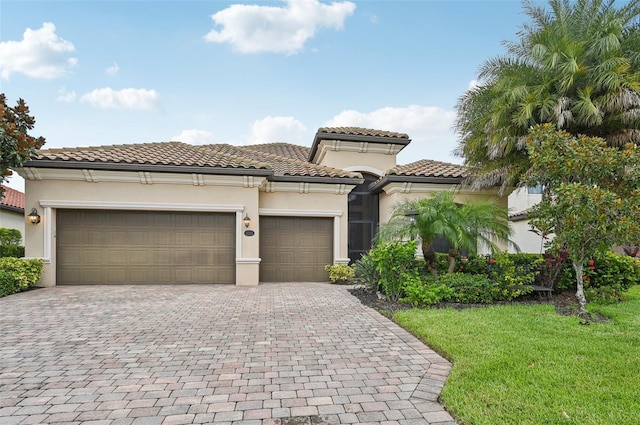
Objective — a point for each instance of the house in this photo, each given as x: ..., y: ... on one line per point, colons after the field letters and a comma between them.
x: 12, y: 209
x: 177, y: 213
x: 521, y: 201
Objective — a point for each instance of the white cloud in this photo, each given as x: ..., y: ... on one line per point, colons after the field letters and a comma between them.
x: 194, y: 137
x: 113, y: 69
x: 108, y: 98
x: 429, y: 127
x: 66, y: 96
x: 473, y: 84
x: 257, y: 29
x: 40, y: 54
x: 277, y: 129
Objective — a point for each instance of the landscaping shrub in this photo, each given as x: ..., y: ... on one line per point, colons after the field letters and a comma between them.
x: 339, y: 273
x: 615, y: 271
x: 18, y: 274
x: 395, y: 263
x: 469, y: 288
x: 366, y: 273
x: 10, y: 240
x: 418, y: 292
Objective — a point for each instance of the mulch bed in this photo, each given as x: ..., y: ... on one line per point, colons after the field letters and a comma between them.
x: 565, y: 303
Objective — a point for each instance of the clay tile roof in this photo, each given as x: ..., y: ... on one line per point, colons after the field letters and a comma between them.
x: 358, y: 131
x: 12, y: 198
x: 167, y: 153
x: 285, y: 150
x: 282, y: 166
x: 428, y: 168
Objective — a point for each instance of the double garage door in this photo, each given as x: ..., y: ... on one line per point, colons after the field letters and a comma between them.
x: 114, y: 247
x: 135, y: 247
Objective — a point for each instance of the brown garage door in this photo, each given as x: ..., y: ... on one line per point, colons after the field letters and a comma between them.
x: 111, y: 247
x: 295, y: 249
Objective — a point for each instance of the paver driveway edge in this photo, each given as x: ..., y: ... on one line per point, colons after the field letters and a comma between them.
x: 282, y: 354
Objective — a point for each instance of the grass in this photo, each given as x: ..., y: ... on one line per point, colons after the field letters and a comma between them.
x: 521, y: 364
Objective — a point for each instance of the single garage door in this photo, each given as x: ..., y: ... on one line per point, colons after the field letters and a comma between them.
x: 113, y: 247
x: 295, y: 249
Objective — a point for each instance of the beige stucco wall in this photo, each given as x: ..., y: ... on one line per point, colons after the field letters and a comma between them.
x: 12, y: 220
x: 42, y: 194
x: 313, y: 204
x: 371, y: 162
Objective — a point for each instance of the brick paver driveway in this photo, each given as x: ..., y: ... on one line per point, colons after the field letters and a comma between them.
x: 273, y: 354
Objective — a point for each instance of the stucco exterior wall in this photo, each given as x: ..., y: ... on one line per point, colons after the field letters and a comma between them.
x: 12, y: 220
x: 527, y: 241
x: 371, y: 162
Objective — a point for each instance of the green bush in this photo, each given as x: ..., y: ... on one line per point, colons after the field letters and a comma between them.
x: 18, y: 274
x: 618, y: 272
x: 10, y: 240
x: 468, y: 288
x: 394, y: 261
x: 339, y: 272
x: 366, y: 273
x: 419, y: 293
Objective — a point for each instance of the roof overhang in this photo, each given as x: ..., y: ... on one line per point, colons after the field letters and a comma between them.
x: 158, y: 168
x: 379, y: 185
x: 11, y: 208
x: 322, y: 135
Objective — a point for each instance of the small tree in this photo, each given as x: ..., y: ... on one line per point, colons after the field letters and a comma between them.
x: 591, y: 197
x: 16, y: 145
x: 462, y: 225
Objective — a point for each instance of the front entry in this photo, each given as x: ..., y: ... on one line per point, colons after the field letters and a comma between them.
x: 363, y: 218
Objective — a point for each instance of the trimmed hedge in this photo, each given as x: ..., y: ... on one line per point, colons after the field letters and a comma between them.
x: 17, y: 274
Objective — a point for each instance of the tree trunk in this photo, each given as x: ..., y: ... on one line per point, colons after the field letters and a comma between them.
x: 453, y: 254
x: 430, y: 258
x: 582, y: 300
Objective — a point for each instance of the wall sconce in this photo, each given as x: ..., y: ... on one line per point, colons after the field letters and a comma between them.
x: 412, y: 214
x: 246, y: 220
x: 34, y: 217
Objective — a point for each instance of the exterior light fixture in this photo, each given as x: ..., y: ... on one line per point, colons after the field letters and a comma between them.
x: 246, y: 220
x: 412, y: 214
x: 33, y: 216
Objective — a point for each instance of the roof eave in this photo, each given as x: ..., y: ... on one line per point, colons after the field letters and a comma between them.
x: 314, y: 179
x: 354, y: 138
x: 11, y: 208
x: 394, y: 178
x: 158, y: 168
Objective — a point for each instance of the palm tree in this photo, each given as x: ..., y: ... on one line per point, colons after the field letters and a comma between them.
x: 462, y: 225
x: 576, y: 64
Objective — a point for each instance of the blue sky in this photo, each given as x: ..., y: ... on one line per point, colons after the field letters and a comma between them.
x: 244, y: 72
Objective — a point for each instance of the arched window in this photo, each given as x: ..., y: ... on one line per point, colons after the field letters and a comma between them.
x: 363, y: 217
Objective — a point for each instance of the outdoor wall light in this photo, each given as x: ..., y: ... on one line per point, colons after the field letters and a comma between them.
x: 412, y: 214
x: 34, y: 217
x: 246, y: 220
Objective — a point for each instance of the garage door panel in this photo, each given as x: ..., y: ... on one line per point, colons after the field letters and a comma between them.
x: 295, y: 249
x: 96, y: 247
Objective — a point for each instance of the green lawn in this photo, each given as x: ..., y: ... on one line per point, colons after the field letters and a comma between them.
x: 523, y: 364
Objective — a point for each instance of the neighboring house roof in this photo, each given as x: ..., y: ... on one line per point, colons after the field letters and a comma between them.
x: 356, y: 134
x: 423, y: 171
x: 12, y: 200
x: 521, y: 215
